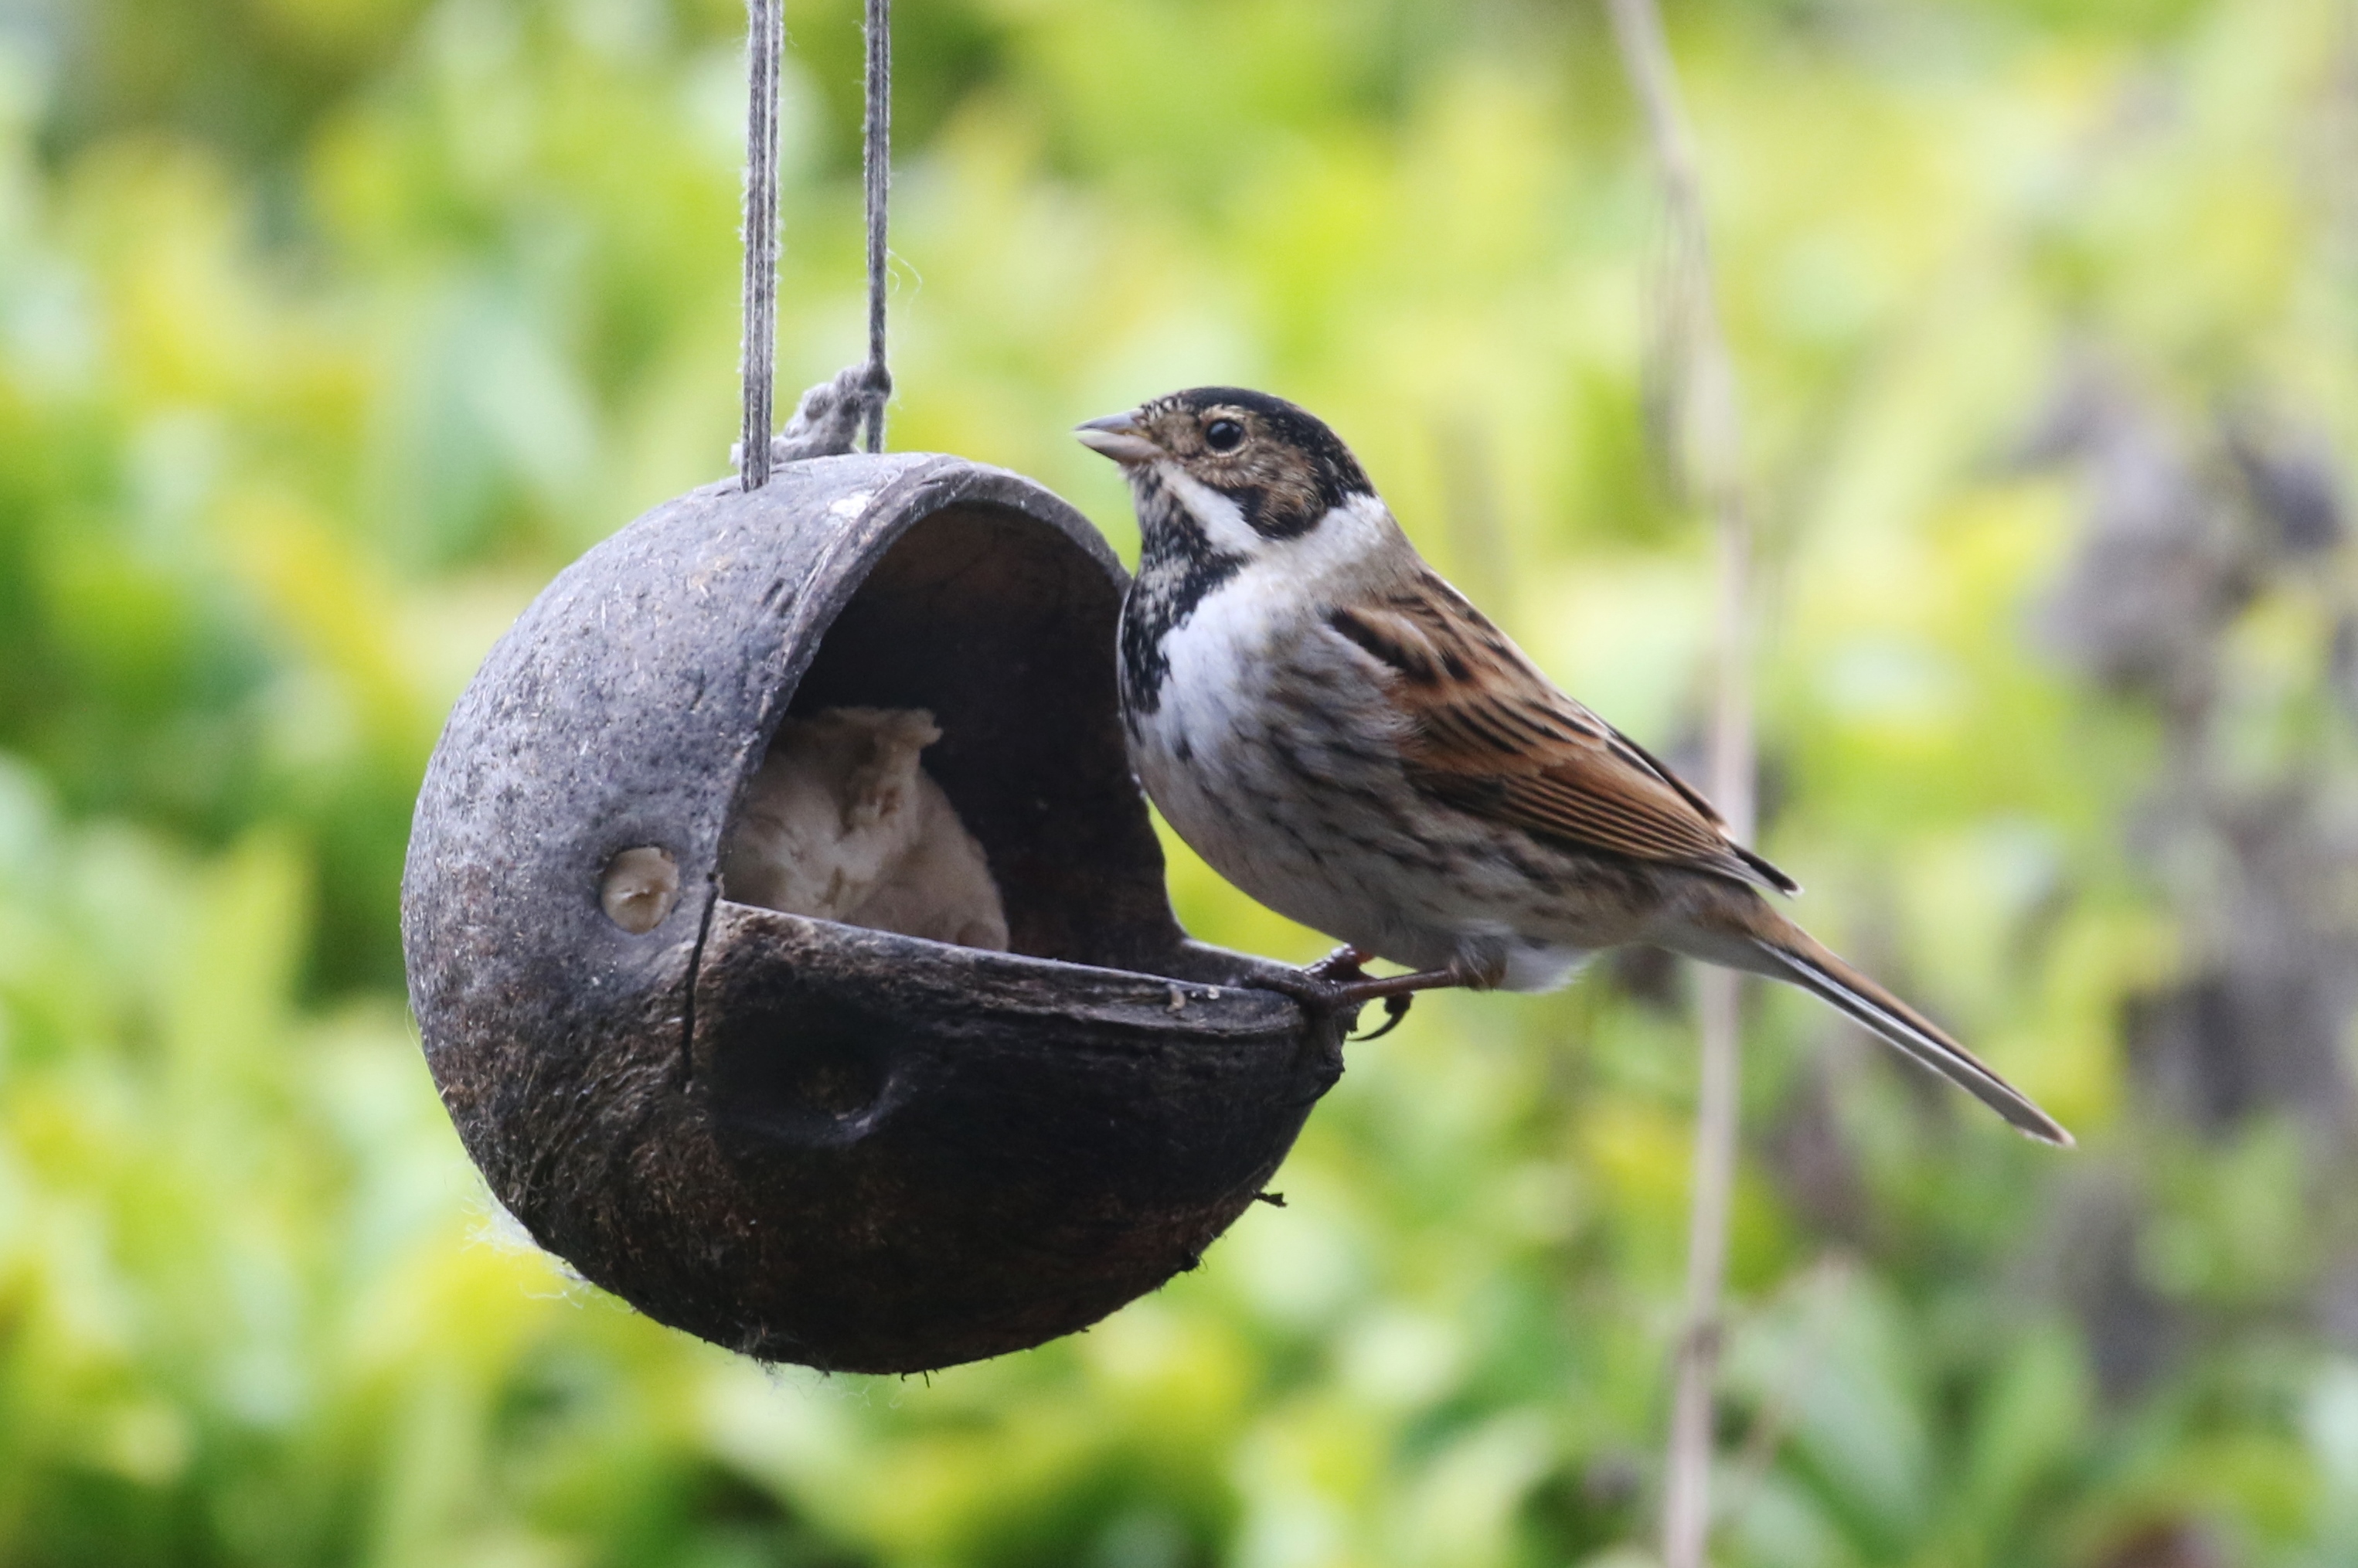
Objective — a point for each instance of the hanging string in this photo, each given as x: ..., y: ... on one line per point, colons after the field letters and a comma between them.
x: 876, y: 167
x: 831, y: 415
x: 758, y: 356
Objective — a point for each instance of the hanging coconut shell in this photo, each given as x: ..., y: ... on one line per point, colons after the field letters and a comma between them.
x: 803, y: 1140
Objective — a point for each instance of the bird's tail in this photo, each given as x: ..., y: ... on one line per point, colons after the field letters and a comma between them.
x: 1787, y: 953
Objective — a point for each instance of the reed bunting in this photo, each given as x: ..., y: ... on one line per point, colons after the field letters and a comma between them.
x: 1338, y: 733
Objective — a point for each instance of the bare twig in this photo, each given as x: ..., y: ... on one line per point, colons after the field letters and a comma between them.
x: 1698, y: 425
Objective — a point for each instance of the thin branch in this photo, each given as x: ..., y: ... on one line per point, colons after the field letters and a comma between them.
x: 1700, y: 428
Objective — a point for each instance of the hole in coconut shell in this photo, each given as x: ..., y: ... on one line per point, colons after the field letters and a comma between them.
x: 814, y: 1070
x: 988, y: 620
x: 640, y: 888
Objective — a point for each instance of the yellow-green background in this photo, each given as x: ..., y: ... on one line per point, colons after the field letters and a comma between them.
x: 331, y: 328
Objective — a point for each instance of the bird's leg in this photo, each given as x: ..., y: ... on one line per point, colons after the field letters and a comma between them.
x: 1383, y: 987
x: 1337, y: 981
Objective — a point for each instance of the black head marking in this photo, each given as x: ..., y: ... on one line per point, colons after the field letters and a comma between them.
x: 1279, y: 462
x: 1280, y: 465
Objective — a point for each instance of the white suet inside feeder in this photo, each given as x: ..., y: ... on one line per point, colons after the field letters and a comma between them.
x: 842, y: 823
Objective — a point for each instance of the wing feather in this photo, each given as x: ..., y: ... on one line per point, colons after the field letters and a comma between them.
x: 1488, y: 734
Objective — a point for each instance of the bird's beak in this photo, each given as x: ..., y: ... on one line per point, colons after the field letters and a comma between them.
x: 1118, y: 438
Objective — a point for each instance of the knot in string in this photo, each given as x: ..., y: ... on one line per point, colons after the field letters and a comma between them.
x: 832, y: 414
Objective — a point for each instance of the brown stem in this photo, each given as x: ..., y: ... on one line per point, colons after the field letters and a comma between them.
x: 1707, y: 440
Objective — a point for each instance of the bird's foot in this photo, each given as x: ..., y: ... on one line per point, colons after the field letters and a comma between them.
x: 1338, y: 981
x: 1342, y: 966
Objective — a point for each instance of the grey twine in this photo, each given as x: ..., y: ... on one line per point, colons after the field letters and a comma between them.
x: 831, y: 414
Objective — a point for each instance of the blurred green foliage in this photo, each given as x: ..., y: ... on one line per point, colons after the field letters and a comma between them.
x: 329, y: 329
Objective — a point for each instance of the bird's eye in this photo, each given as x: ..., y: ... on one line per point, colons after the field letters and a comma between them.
x: 1223, y: 435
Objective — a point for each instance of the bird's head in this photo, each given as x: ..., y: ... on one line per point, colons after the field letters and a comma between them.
x: 1250, y: 470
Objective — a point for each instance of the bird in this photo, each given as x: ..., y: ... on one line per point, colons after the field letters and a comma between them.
x: 1342, y: 734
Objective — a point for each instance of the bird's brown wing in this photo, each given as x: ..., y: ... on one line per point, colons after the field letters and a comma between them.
x: 1490, y: 735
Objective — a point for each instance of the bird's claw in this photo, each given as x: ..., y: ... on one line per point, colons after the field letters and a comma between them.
x: 1395, y: 1008
x: 1315, y: 992
x: 1341, y: 966
x: 1339, y: 982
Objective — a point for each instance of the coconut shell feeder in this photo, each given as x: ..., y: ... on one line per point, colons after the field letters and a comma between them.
x: 805, y: 1140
